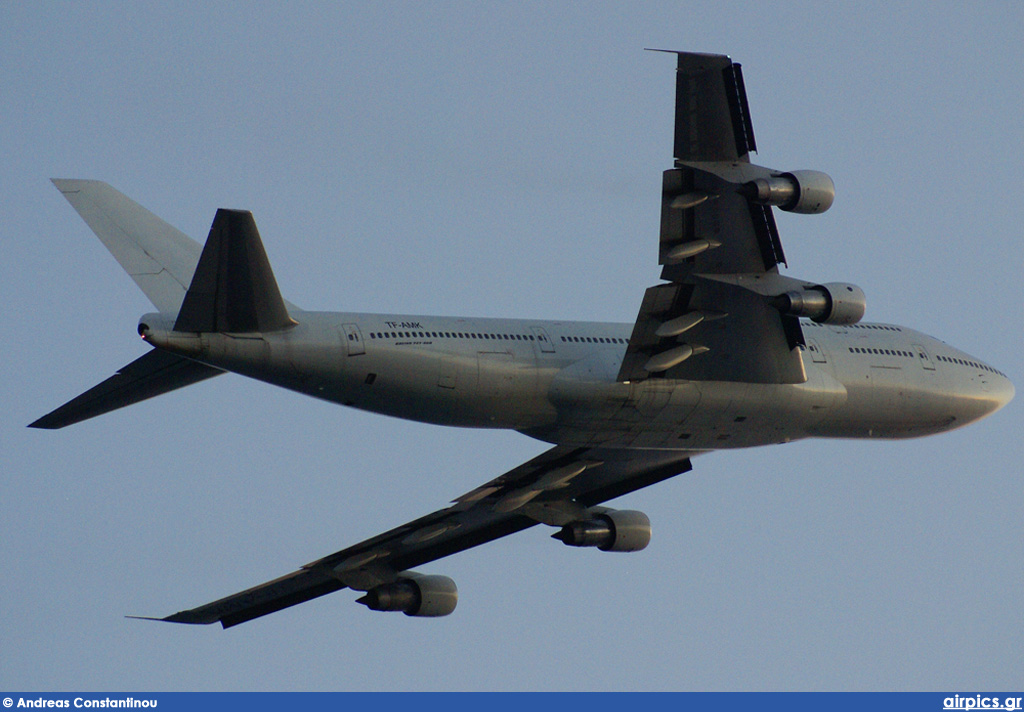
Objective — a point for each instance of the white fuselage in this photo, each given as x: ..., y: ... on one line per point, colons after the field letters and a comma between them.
x: 556, y: 381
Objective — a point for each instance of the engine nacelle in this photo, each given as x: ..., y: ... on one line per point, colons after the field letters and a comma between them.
x: 615, y: 530
x: 414, y: 595
x: 832, y: 303
x: 798, y: 192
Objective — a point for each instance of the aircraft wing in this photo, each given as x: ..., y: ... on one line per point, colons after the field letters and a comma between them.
x: 705, y: 323
x: 555, y: 488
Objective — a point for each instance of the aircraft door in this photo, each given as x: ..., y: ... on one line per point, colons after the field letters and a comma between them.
x: 923, y: 358
x: 817, y: 353
x: 541, y: 336
x: 353, y: 339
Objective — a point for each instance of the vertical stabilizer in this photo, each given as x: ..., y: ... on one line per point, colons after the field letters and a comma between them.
x: 233, y: 289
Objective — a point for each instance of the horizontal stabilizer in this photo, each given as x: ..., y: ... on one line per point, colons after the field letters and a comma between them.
x: 233, y: 289
x: 152, y: 375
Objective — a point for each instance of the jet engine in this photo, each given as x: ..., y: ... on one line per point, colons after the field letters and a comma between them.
x: 613, y: 530
x: 414, y: 595
x: 832, y: 303
x: 798, y: 192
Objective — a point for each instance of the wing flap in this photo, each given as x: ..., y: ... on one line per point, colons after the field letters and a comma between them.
x: 712, y: 116
x: 740, y: 236
x: 742, y: 337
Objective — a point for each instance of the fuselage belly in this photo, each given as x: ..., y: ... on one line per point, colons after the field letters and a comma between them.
x: 556, y: 381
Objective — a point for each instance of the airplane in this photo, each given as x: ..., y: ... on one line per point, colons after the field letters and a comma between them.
x: 726, y: 352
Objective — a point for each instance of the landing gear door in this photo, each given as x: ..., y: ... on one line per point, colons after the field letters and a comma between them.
x: 353, y: 339
x: 542, y: 339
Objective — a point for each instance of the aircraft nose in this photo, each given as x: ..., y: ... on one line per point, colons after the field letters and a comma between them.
x: 983, y: 394
x: 994, y: 394
x: 1002, y: 393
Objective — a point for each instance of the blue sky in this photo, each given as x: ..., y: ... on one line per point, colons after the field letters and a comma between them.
x: 498, y: 159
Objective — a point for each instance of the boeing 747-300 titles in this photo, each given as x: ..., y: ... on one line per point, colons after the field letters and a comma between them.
x: 726, y: 352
